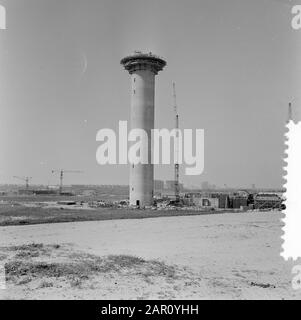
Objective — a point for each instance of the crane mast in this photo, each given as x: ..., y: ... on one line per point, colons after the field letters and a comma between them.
x: 62, y: 172
x: 177, y: 166
x: 290, y: 113
x: 26, y: 179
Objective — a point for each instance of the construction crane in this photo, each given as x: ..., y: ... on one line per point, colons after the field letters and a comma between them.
x: 26, y: 179
x: 62, y: 172
x: 177, y: 166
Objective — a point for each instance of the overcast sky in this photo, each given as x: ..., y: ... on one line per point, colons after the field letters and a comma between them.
x: 234, y: 63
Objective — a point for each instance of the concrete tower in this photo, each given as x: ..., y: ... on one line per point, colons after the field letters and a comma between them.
x: 143, y: 68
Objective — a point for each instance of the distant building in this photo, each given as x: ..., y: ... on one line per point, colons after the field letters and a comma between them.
x: 203, y: 201
x: 223, y: 200
x: 242, y: 193
x: 170, y: 185
x: 158, y: 185
x: 53, y: 187
x: 267, y: 201
x: 237, y: 202
x: 206, y: 202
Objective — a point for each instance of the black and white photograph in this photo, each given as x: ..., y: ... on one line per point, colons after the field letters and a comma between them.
x: 143, y: 147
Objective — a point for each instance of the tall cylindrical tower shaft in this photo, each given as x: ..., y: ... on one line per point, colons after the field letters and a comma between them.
x: 143, y: 68
x: 142, y: 117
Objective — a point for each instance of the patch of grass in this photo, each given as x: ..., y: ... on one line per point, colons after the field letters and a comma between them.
x: 263, y: 285
x: 43, y: 269
x: 32, y: 250
x: 76, y: 283
x: 27, y: 247
x: 82, y: 269
x: 77, y: 267
x: 24, y: 281
x: 27, y: 254
x: 27, y: 251
x: 118, y: 262
x: 3, y: 257
x: 46, y: 284
x: 21, y: 215
x: 159, y: 268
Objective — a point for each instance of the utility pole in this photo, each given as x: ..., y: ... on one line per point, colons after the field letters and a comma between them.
x: 177, y: 166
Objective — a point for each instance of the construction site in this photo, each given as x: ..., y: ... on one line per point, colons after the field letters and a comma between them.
x: 33, y: 204
x: 143, y: 191
x: 93, y: 197
x: 157, y: 239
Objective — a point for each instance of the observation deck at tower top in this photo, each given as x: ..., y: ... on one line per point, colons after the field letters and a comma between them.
x: 143, y: 61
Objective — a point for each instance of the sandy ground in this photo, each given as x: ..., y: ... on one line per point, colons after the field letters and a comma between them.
x: 219, y: 256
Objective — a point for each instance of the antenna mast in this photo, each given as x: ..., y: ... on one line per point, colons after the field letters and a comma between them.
x: 290, y: 112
